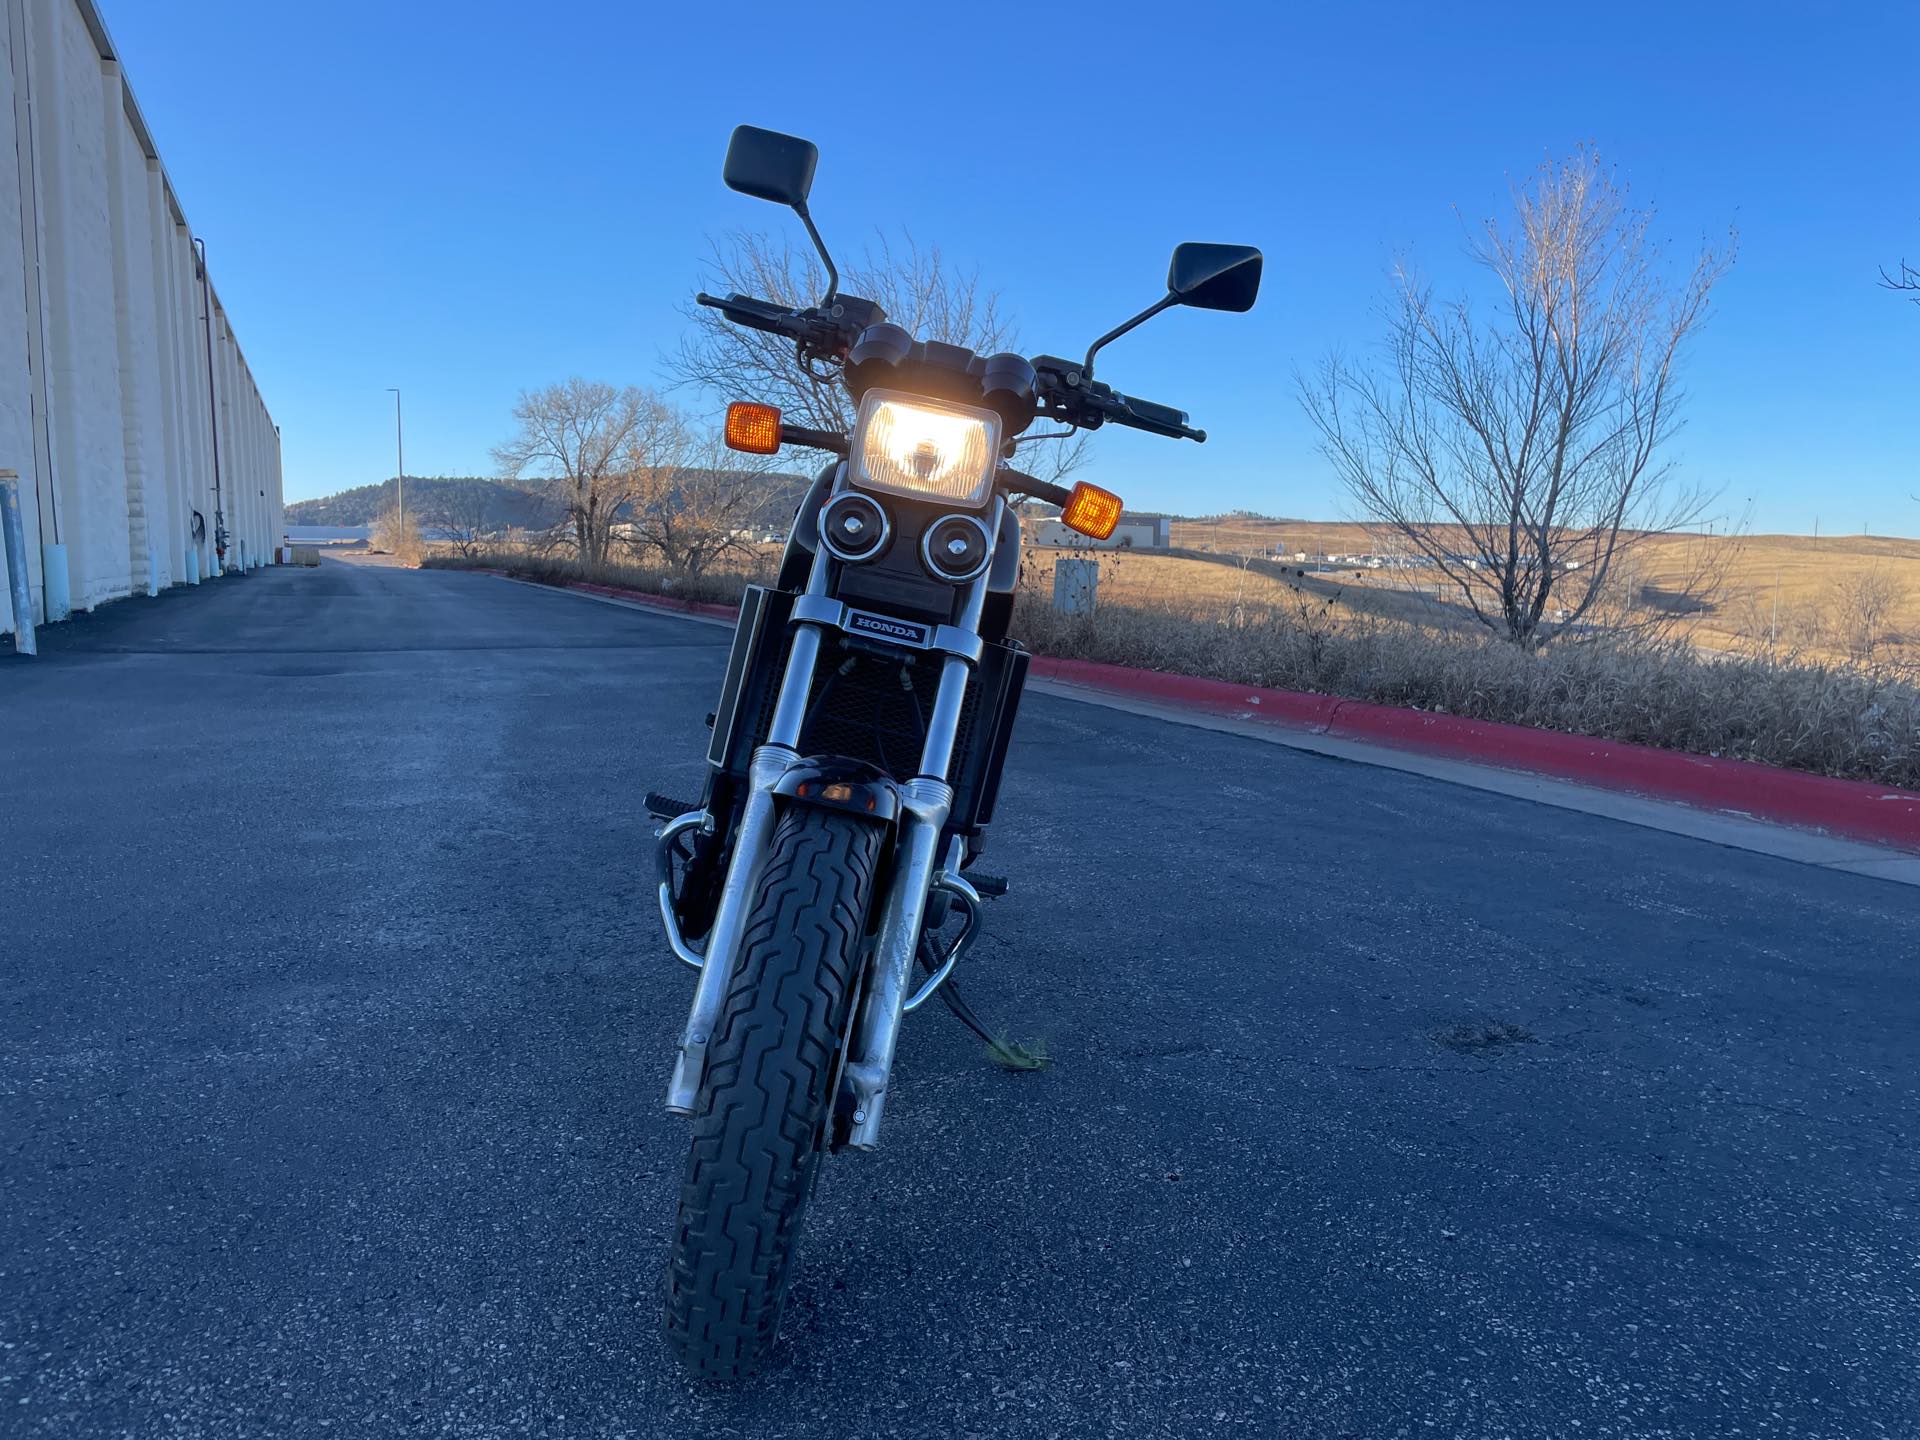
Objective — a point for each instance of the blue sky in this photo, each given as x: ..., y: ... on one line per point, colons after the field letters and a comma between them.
x: 468, y: 200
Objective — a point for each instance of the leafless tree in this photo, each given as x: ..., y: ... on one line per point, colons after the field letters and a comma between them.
x: 1859, y: 611
x: 690, y: 506
x: 464, y: 516
x: 580, y: 436
x: 916, y: 286
x: 1520, y: 453
x: 1906, y: 279
x: 540, y: 543
x: 1779, y: 629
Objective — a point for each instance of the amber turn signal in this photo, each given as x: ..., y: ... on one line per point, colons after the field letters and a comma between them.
x: 753, y: 428
x: 1092, y: 511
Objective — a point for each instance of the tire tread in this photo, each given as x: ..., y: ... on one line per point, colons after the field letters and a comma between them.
x: 770, y: 1062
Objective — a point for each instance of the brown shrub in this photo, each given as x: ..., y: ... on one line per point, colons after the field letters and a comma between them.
x: 715, y: 586
x: 1834, y: 719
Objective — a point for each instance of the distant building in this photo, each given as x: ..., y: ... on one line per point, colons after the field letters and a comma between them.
x: 146, y: 454
x: 1132, y: 533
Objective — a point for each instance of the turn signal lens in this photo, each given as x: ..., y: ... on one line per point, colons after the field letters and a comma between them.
x: 1092, y: 511
x: 753, y: 428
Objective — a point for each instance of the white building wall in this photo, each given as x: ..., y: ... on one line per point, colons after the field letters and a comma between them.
x: 1128, y: 534
x: 98, y: 272
x: 18, y: 448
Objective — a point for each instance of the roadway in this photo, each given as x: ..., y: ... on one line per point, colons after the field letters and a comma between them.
x: 337, y: 1022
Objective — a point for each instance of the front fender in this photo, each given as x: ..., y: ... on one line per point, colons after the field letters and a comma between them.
x: 833, y: 782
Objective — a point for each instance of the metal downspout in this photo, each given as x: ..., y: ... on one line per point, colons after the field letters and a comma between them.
x: 213, y: 407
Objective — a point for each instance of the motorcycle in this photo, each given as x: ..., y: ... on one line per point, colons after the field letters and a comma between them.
x: 856, y: 753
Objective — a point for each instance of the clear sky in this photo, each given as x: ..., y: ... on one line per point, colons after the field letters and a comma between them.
x: 466, y: 200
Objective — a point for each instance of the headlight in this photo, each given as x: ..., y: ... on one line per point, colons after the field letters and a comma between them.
x: 907, y: 445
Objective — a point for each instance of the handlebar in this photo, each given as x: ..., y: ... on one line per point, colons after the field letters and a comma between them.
x: 755, y: 314
x: 1020, y: 484
x: 1064, y: 392
x: 1142, y: 414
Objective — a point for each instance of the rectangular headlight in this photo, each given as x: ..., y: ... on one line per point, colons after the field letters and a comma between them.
x: 909, y: 445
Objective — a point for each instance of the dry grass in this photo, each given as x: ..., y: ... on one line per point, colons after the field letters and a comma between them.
x: 1151, y: 579
x: 722, y: 585
x: 1780, y: 592
x: 1189, y: 617
x: 1833, y: 719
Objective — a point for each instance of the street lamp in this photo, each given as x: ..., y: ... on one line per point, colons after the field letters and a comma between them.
x: 400, y: 458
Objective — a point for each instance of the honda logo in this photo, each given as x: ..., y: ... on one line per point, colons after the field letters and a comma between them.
x: 901, y: 632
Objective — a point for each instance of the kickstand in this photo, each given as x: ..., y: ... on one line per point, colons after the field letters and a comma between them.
x: 1007, y: 1053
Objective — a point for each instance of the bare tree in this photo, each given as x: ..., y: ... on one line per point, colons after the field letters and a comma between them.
x: 917, y: 288
x: 1521, y: 454
x: 690, y: 506
x: 1778, y: 628
x: 1859, y: 610
x: 464, y: 515
x: 1906, y: 279
x: 580, y: 436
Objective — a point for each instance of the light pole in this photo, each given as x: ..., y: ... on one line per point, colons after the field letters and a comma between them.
x: 400, y: 459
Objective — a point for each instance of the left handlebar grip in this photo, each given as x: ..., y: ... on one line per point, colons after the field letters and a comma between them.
x: 755, y: 314
x: 1036, y: 488
x: 1162, y: 418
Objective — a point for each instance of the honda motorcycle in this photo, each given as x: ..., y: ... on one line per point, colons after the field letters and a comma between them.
x: 856, y: 753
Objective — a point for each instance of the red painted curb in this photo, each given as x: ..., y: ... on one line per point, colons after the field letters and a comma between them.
x: 659, y: 602
x: 1858, y: 809
x: 616, y: 592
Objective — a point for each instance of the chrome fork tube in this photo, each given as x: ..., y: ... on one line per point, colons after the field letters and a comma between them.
x: 750, y: 841
x: 736, y: 899
x: 924, y: 805
x: 943, y: 726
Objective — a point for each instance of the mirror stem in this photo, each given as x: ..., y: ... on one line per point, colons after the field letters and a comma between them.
x: 1121, y: 329
x: 833, y: 275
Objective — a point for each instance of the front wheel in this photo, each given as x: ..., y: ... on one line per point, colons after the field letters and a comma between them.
x: 767, y: 1093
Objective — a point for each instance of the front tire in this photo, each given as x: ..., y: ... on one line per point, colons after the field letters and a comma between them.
x: 767, y: 1093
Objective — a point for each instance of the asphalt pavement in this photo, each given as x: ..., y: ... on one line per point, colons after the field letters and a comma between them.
x: 337, y: 1021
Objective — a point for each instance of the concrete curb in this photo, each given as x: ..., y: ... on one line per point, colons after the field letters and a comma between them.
x: 637, y: 597
x: 1857, y: 809
x: 659, y: 602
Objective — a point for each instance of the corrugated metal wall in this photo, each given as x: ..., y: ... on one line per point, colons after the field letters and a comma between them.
x: 104, y: 364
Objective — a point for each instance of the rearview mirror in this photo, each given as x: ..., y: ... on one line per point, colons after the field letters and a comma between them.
x: 1213, y: 277
x: 1207, y: 277
x: 770, y: 166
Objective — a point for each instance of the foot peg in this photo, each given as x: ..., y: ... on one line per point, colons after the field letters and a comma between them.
x: 991, y: 887
x: 663, y: 808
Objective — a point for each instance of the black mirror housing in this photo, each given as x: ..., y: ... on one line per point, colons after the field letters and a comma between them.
x: 770, y: 166
x: 1214, y: 277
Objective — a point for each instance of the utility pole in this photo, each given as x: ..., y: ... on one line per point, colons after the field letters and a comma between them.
x: 400, y: 459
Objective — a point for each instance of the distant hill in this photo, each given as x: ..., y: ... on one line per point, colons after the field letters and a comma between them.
x: 507, y: 502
